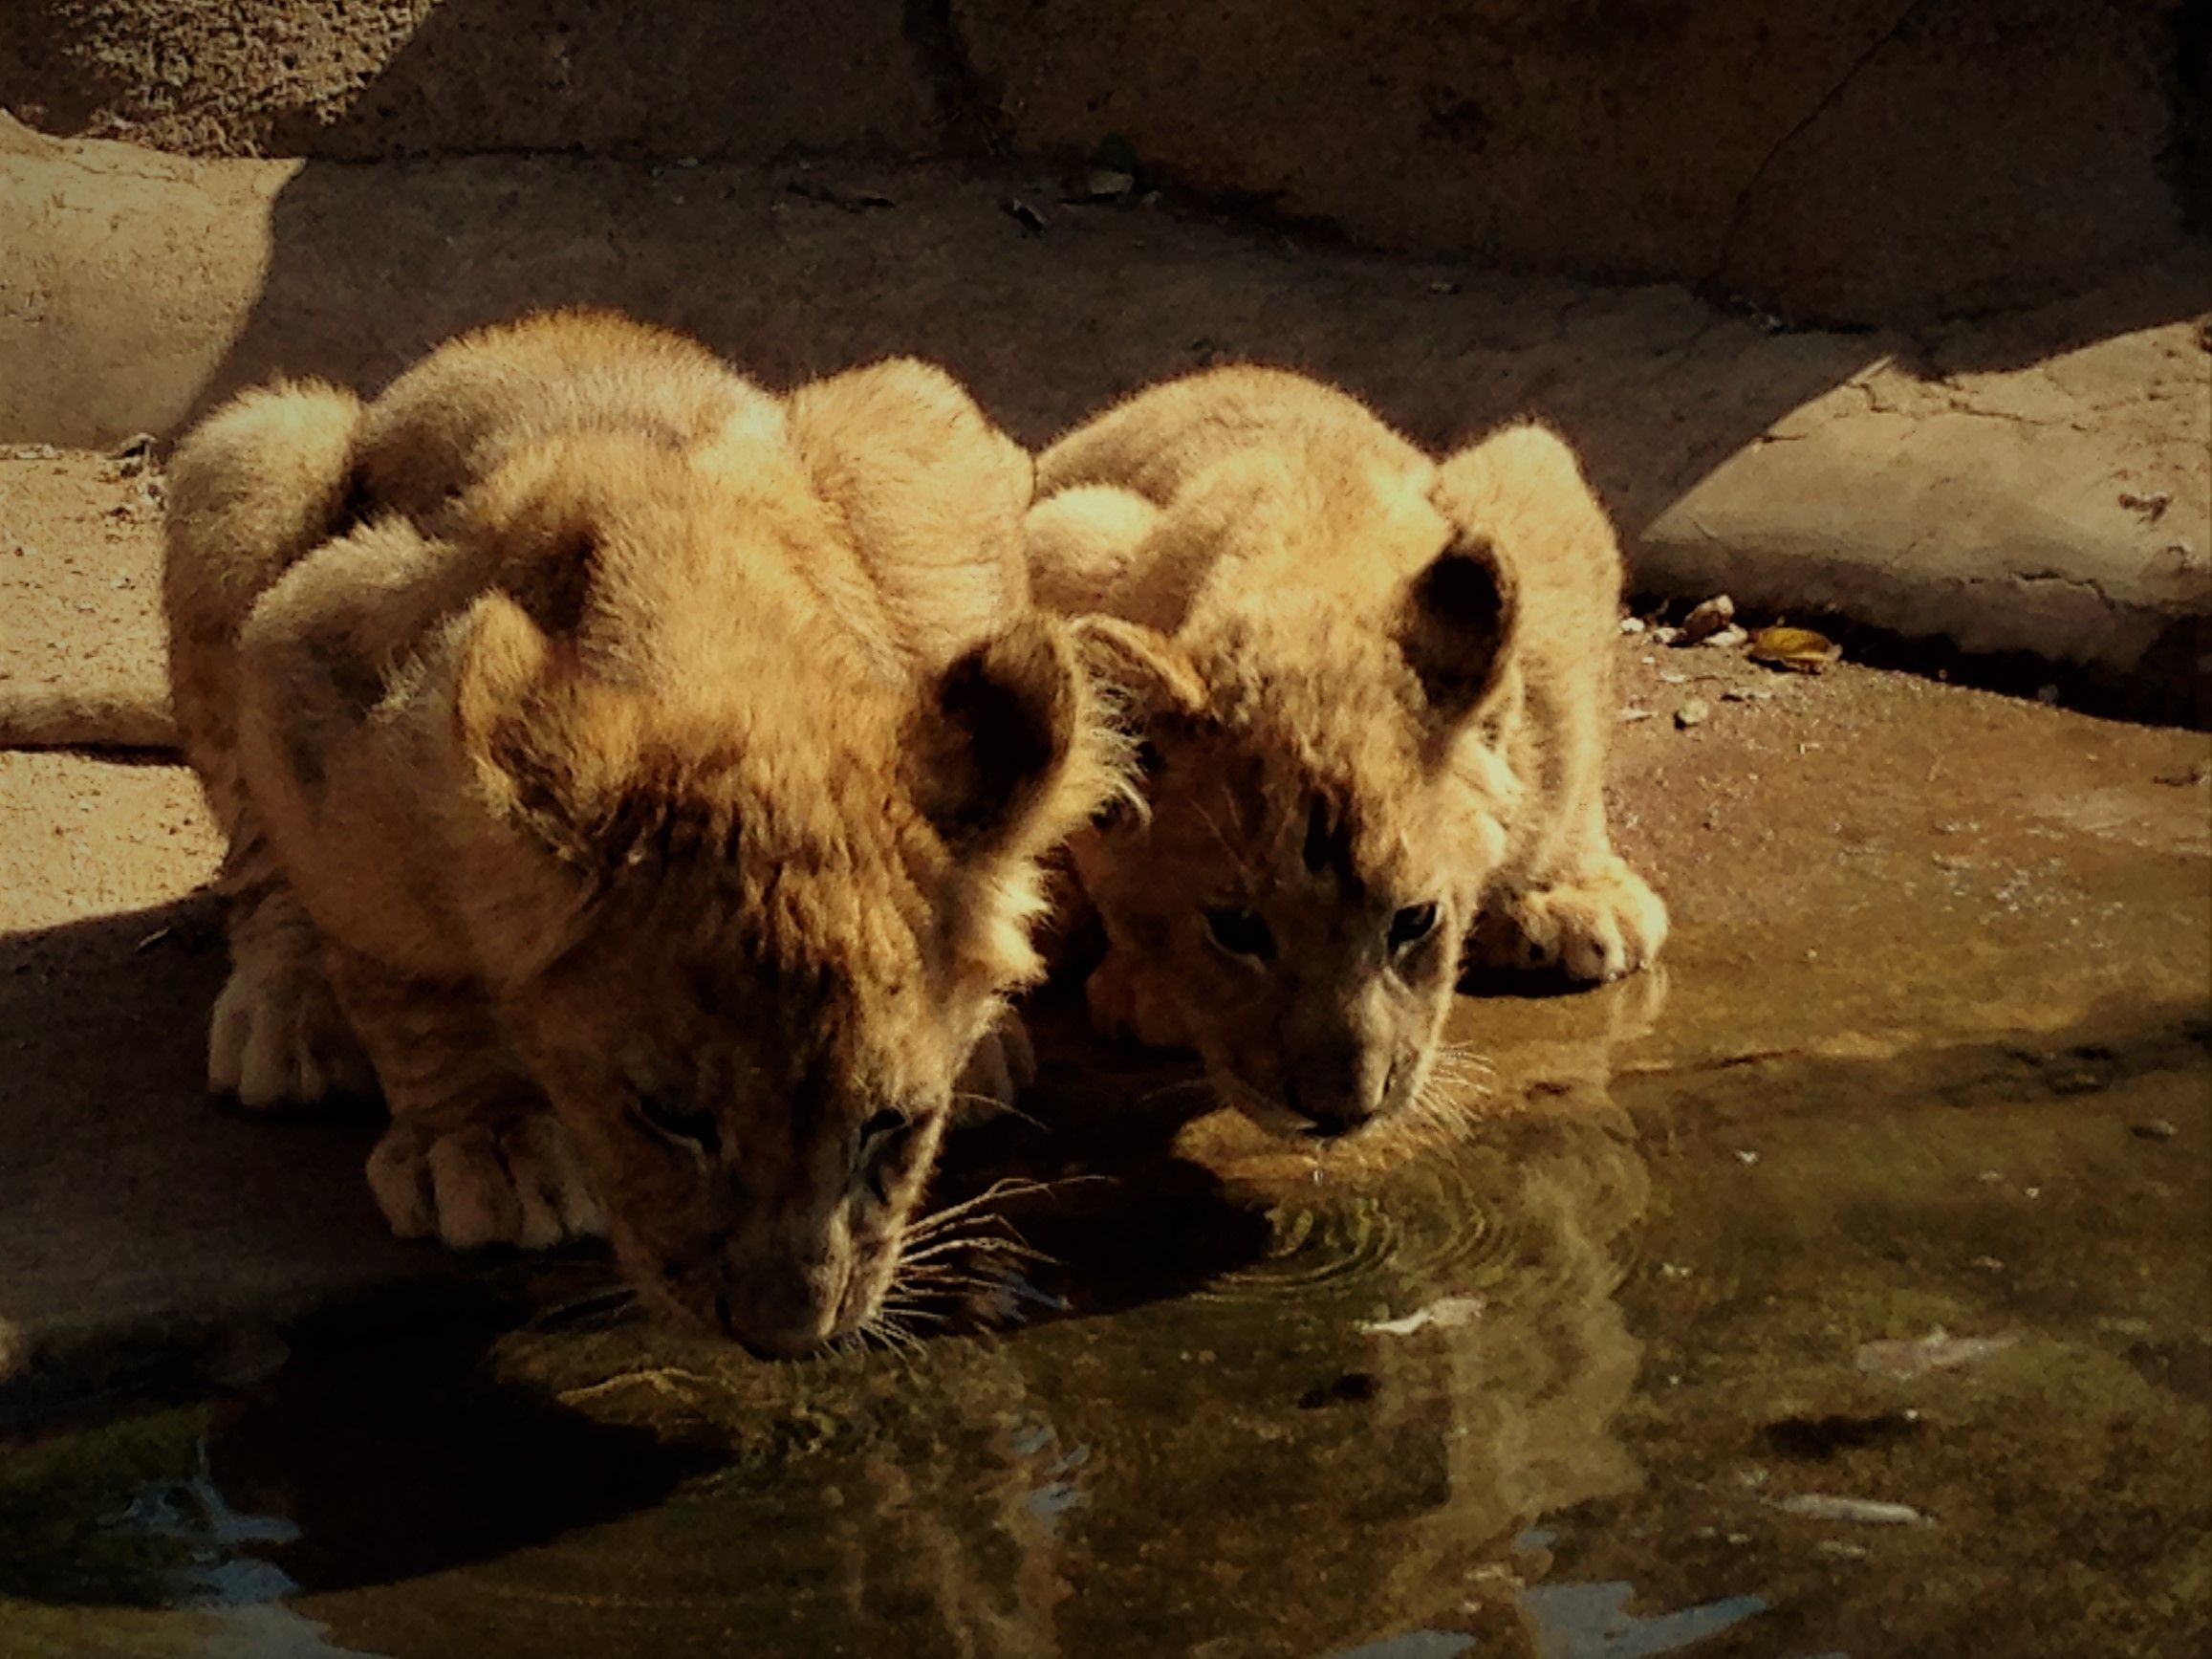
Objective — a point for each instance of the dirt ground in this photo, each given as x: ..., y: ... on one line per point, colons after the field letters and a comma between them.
x: 1860, y: 862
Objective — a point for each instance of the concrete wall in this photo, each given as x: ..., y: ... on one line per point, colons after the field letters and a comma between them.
x: 1859, y: 160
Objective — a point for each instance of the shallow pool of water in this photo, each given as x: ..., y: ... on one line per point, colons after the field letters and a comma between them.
x: 1904, y: 1353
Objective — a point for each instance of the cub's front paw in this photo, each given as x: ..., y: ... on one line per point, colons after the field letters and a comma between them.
x: 1595, y: 930
x: 277, y: 1036
x: 1003, y: 1065
x: 516, y: 1180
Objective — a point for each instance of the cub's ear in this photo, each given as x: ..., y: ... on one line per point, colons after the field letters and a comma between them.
x: 1456, y: 624
x: 1010, y: 751
x: 1140, y: 669
x: 548, y: 750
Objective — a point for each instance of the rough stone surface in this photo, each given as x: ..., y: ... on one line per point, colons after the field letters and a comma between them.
x: 1970, y: 483
x: 1872, y: 161
x: 1869, y: 160
x: 743, y: 78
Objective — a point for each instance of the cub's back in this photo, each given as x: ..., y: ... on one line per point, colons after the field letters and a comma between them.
x: 452, y: 418
x: 1159, y: 440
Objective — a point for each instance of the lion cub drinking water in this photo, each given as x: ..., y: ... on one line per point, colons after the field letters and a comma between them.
x: 1374, y: 694
x: 645, y: 770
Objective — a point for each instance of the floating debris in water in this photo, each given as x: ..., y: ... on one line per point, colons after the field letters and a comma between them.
x: 1866, y: 1510
x: 2155, y: 1130
x: 1800, y: 650
x: 1446, y: 1313
x: 1936, y: 1351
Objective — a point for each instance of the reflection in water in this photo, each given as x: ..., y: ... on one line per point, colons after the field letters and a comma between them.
x: 1592, y: 1622
x: 1574, y: 1306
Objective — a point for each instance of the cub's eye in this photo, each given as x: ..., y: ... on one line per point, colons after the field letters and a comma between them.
x: 1240, y: 933
x: 1411, y: 926
x: 678, y: 1119
x: 879, y: 1130
x: 886, y: 1139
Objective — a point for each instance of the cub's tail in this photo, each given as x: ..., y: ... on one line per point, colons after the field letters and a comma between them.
x: 251, y: 489
x: 134, y: 717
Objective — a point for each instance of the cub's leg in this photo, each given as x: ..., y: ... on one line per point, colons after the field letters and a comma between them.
x: 251, y: 489
x: 277, y: 1034
x: 1570, y: 903
x: 1565, y: 900
x: 474, y: 1155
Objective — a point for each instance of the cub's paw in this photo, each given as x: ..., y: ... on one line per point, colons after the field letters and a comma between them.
x: 277, y: 1035
x: 1595, y: 929
x: 1127, y: 1004
x: 1003, y: 1065
x: 514, y: 1180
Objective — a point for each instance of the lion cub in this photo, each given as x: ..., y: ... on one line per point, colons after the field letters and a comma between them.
x: 641, y: 768
x: 1374, y: 692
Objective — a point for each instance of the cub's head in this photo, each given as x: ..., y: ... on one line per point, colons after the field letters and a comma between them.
x: 747, y: 926
x: 1326, y: 795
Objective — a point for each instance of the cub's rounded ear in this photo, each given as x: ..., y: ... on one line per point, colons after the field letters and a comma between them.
x: 544, y: 750
x: 1139, y: 670
x: 507, y: 655
x: 1005, y: 753
x: 1456, y: 626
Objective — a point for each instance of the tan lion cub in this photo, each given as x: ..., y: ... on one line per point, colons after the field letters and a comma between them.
x: 1375, y: 697
x: 648, y: 763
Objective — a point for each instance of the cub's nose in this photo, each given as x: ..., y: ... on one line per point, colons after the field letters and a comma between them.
x: 1328, y: 1112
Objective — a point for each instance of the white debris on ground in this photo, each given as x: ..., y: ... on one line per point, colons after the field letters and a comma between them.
x: 1446, y: 1313
x: 1866, y: 1510
x: 1936, y: 1351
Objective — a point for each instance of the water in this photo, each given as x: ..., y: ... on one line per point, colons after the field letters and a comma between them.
x: 1533, y: 1381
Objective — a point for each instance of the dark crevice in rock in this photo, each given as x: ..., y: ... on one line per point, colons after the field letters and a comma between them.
x: 971, y: 114
x: 1718, y: 278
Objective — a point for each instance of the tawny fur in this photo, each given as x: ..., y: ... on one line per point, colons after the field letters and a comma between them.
x: 1375, y: 691
x: 611, y: 758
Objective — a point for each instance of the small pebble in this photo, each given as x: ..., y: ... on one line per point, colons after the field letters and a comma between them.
x: 1630, y: 716
x: 1747, y: 694
x: 1632, y: 625
x: 1729, y: 637
x: 2156, y: 1129
x: 1663, y: 635
x: 1692, y: 713
x: 1706, y: 619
